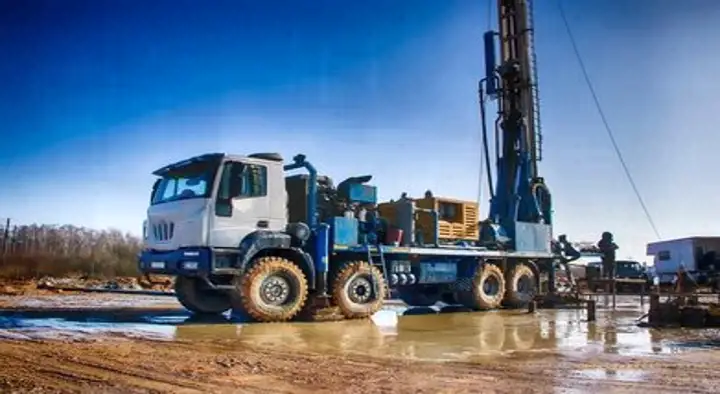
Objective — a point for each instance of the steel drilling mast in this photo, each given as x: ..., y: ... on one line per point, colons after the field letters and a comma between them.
x: 520, y: 215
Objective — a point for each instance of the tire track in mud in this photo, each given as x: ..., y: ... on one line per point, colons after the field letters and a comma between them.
x: 81, y: 370
x: 463, y: 377
x: 167, y: 377
x: 47, y: 365
x: 144, y: 366
x: 546, y: 374
x: 20, y: 372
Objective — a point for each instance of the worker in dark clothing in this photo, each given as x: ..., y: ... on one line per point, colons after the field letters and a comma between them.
x: 684, y: 283
x: 607, y: 248
x: 570, y: 254
x: 563, y: 248
x: 568, y: 249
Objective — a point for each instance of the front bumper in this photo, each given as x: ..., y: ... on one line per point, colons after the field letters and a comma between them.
x: 185, y: 262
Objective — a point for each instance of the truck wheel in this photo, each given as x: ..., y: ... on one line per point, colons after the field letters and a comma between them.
x: 354, y: 291
x: 274, y: 289
x: 521, y: 286
x: 193, y: 294
x: 488, y: 289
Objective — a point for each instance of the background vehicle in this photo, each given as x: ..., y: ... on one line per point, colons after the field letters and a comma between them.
x: 624, y: 269
x: 698, y: 255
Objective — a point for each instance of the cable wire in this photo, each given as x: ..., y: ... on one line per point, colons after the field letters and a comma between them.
x: 481, y: 175
x: 604, y: 119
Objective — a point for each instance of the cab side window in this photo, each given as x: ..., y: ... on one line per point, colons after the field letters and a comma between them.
x: 253, y: 181
x: 240, y: 180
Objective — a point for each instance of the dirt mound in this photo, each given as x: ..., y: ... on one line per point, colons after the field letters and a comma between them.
x: 49, y: 285
x: 158, y: 283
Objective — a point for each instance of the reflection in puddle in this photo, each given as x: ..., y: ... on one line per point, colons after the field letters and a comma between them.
x: 88, y: 301
x: 390, y: 333
x: 57, y: 328
x: 623, y: 375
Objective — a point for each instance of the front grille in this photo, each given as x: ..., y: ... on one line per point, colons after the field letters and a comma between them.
x: 163, y: 231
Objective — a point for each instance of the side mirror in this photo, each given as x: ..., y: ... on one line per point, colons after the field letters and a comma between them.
x: 155, y: 189
x: 236, y: 180
x: 226, y: 192
x: 231, y: 182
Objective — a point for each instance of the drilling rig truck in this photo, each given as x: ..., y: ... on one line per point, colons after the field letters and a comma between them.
x: 240, y: 233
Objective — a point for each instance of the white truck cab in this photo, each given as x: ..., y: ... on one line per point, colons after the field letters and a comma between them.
x: 214, y: 217
x: 214, y: 200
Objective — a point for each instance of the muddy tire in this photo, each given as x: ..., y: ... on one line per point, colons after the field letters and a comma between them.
x: 487, y: 291
x: 273, y: 289
x: 521, y: 286
x: 354, y: 290
x: 195, y: 297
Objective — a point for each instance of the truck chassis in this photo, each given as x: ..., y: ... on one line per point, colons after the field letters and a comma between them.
x: 277, y: 284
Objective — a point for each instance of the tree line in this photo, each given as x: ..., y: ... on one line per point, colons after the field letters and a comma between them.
x: 48, y: 250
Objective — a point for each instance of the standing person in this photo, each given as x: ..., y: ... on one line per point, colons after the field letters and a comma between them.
x: 684, y: 282
x: 608, y: 247
x: 564, y: 248
x: 568, y: 249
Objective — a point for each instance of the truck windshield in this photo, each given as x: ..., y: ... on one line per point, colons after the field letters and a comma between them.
x: 194, y: 180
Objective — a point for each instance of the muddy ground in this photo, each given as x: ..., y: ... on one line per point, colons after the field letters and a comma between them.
x: 119, y: 343
x: 48, y: 285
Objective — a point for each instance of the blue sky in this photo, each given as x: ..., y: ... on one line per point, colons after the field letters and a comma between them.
x: 97, y: 94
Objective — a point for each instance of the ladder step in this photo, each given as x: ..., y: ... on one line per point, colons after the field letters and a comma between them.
x: 384, y: 270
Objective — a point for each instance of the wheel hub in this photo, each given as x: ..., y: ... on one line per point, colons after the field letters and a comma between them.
x: 525, y: 284
x: 275, y: 290
x: 491, y: 286
x: 360, y: 290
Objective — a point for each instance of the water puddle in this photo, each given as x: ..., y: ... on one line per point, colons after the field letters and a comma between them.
x: 58, y: 328
x: 87, y: 301
x: 622, y: 375
x: 422, y: 334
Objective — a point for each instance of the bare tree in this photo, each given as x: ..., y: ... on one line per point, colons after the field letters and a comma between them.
x: 39, y: 250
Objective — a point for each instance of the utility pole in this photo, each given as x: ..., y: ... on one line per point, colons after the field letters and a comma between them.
x: 6, y: 235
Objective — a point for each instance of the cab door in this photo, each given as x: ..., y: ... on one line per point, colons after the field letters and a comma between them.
x: 242, y: 204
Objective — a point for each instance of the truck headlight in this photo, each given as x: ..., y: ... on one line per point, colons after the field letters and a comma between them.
x: 190, y: 265
x: 158, y: 265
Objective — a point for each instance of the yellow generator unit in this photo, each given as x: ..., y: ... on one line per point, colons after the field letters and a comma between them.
x: 457, y: 220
